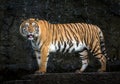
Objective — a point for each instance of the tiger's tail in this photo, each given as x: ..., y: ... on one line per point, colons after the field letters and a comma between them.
x: 102, y: 44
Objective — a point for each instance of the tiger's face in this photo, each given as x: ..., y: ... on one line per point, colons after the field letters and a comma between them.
x: 30, y: 29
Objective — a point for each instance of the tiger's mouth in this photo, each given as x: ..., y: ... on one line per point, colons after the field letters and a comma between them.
x: 30, y: 37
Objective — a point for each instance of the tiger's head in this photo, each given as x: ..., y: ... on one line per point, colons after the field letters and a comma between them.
x: 30, y: 29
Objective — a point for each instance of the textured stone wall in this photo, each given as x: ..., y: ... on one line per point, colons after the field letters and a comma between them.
x: 15, y: 51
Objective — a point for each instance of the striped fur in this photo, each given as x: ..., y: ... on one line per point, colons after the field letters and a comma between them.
x: 74, y: 37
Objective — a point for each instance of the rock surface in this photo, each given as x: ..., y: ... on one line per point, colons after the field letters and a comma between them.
x: 71, y: 78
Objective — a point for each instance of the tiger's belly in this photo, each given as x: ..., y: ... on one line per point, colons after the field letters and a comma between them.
x: 66, y: 47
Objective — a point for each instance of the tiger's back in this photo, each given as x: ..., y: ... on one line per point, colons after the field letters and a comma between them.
x: 74, y: 34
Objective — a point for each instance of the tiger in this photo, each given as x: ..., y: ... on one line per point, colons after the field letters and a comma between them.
x: 80, y: 38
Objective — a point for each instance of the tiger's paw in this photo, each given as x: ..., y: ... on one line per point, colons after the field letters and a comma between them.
x: 39, y: 72
x: 78, y: 71
x: 101, y: 70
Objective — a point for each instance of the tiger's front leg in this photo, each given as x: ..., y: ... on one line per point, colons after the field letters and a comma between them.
x: 38, y: 58
x: 42, y: 61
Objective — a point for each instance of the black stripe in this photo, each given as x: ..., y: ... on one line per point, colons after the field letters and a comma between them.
x: 97, y: 54
x: 96, y: 50
x: 66, y: 34
x: 81, y: 27
x: 64, y: 47
x: 99, y: 57
x: 58, y: 46
x: 77, y: 43
x: 74, y: 33
x: 76, y: 27
x: 68, y: 29
x: 73, y: 50
x: 70, y: 45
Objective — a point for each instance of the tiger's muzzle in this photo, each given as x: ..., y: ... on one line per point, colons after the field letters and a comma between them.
x: 30, y: 36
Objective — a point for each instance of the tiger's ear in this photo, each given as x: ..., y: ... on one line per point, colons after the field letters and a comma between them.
x: 22, y: 20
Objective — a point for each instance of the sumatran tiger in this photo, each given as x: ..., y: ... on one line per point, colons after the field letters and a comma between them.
x: 46, y: 37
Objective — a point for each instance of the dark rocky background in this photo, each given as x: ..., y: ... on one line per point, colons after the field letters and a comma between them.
x: 16, y: 56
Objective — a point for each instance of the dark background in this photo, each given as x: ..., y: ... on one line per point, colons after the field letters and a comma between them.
x: 17, y: 57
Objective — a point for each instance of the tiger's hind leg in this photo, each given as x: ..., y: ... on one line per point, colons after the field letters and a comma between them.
x: 101, y: 58
x: 85, y: 61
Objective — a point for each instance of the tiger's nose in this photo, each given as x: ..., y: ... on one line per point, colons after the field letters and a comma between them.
x: 30, y: 30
